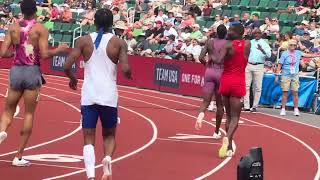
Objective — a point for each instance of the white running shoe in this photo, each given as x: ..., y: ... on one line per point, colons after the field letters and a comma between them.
x: 212, y: 106
x: 20, y: 162
x: 3, y: 136
x: 296, y: 112
x: 283, y: 112
x: 107, y: 171
x: 217, y: 136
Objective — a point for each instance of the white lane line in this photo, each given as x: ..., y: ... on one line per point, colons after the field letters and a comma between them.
x: 153, y: 139
x: 72, y: 122
x: 188, y: 141
x: 223, y: 163
x: 48, y: 165
x: 316, y: 155
x: 54, y: 140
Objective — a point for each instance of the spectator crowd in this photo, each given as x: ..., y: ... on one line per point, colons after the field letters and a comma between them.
x: 171, y: 30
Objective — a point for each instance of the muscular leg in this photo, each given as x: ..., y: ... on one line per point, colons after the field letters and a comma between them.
x: 30, y: 104
x: 295, y: 99
x: 12, y: 100
x: 235, y: 107
x: 109, y: 141
x: 226, y: 101
x: 206, y: 101
x: 220, y: 111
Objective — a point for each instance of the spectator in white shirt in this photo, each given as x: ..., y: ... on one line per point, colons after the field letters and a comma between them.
x: 169, y: 30
x: 194, y: 49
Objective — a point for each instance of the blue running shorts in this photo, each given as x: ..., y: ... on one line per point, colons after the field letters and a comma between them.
x: 90, y: 114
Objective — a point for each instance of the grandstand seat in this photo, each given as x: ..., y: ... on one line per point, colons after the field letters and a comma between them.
x: 234, y: 4
x: 66, y: 39
x: 262, y: 5
x: 253, y: 5
x: 274, y: 15
x: 291, y: 20
x: 215, y: 12
x: 263, y: 15
x: 234, y: 12
x: 57, y: 27
x: 282, y: 5
x: 283, y: 18
x: 209, y: 24
x: 272, y: 5
x: 286, y: 29
x: 201, y: 22
x: 57, y: 38
x: 244, y: 4
x: 66, y: 27
x: 226, y: 13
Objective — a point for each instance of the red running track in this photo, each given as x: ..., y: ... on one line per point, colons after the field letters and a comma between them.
x: 156, y: 140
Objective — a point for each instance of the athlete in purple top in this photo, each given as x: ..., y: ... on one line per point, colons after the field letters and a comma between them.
x: 30, y: 44
x: 212, y: 78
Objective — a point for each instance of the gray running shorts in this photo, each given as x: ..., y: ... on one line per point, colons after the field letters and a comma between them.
x: 25, y: 77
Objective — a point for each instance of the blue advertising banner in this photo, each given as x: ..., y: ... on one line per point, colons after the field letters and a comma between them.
x: 271, y: 91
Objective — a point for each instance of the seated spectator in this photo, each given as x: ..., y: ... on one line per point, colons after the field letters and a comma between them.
x: 169, y: 30
x: 188, y: 21
x: 186, y: 33
x: 246, y: 21
x: 66, y: 15
x: 226, y: 22
x: 131, y: 41
x: 196, y: 33
x: 148, y: 18
x: 255, y: 21
x: 11, y: 19
x: 157, y: 33
x: 194, y: 8
x: 300, y: 28
x: 274, y: 28
x: 46, y: 3
x: 236, y: 18
x: 169, y: 47
x: 178, y: 21
x: 265, y: 28
x: 306, y: 45
x: 161, y: 16
x: 207, y: 9
x: 314, y: 17
x: 193, y: 50
x: 163, y: 54
x: 313, y: 31
x: 54, y: 13
x: 171, y: 18
x: 119, y: 29
x: 116, y: 14
x: 89, y: 17
x: 217, y: 22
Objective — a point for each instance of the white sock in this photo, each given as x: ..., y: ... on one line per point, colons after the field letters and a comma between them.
x: 200, y: 116
x: 89, y: 160
x: 107, y: 170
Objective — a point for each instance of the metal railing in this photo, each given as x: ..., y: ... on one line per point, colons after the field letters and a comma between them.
x: 76, y: 31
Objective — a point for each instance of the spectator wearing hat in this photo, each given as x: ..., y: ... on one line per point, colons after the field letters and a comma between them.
x: 171, y: 18
x: 119, y: 29
x: 274, y: 28
x: 131, y: 41
x: 169, y: 30
x: 161, y: 16
x: 305, y: 44
x: 157, y: 33
x: 289, y: 67
x: 178, y: 21
x: 196, y: 33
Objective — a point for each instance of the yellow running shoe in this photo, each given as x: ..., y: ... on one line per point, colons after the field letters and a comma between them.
x: 224, y: 148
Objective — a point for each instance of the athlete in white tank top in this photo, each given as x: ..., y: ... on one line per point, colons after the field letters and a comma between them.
x: 100, y: 76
